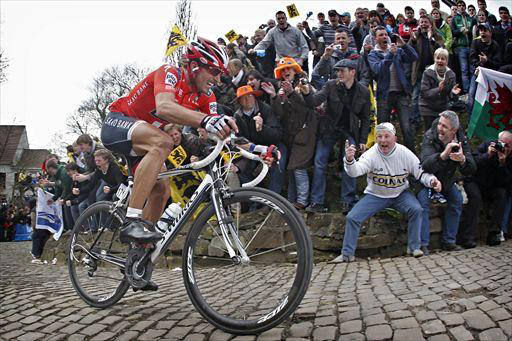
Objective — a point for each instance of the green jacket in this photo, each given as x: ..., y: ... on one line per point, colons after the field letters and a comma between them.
x: 62, y: 183
x: 461, y: 39
x: 446, y: 32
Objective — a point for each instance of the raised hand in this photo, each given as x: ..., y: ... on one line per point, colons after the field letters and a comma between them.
x: 350, y: 151
x: 269, y: 89
x: 259, y: 122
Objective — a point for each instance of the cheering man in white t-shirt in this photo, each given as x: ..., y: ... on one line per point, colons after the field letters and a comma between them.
x: 387, y: 165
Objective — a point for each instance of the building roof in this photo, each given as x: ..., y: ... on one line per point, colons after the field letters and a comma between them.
x: 10, y: 136
x: 32, y: 159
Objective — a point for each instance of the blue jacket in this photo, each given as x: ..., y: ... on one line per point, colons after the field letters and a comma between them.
x: 380, y: 63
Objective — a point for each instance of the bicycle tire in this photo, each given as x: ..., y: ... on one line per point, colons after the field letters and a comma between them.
x: 97, y: 222
x: 277, y: 296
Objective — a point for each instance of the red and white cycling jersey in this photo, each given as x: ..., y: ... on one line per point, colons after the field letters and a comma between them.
x: 140, y: 102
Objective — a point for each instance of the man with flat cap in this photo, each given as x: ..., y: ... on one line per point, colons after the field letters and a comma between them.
x: 348, y: 118
x: 387, y: 165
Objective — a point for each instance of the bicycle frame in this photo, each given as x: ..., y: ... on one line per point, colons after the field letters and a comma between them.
x: 212, y: 183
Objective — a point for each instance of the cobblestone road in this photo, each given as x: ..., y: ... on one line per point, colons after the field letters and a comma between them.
x: 465, y: 295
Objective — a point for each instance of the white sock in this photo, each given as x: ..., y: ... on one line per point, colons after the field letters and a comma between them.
x: 133, y: 213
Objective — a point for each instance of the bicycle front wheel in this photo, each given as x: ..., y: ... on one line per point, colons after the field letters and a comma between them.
x: 95, y: 256
x: 251, y: 296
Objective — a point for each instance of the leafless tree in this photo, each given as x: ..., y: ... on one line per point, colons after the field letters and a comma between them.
x: 112, y: 83
x: 186, y: 22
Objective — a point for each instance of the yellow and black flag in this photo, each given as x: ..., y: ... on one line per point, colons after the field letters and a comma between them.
x: 176, y: 40
x: 292, y: 11
x: 231, y: 36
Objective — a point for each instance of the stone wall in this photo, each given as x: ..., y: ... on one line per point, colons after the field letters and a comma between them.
x: 384, y: 235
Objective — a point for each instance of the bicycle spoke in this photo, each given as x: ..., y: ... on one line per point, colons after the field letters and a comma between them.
x: 257, y: 231
x: 272, y: 250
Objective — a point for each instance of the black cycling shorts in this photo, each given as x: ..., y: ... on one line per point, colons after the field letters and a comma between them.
x: 116, y: 133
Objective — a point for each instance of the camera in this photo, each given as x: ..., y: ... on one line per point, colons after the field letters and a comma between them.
x: 499, y: 146
x: 455, y: 149
x: 394, y: 38
x: 303, y: 81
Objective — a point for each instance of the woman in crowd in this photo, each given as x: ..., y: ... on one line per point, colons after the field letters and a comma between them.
x: 437, y: 86
x: 106, y: 170
x: 481, y: 18
x: 299, y: 127
x: 400, y: 18
x: 391, y: 26
x: 443, y: 28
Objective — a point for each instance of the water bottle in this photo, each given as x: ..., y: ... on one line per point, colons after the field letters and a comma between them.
x: 171, y: 212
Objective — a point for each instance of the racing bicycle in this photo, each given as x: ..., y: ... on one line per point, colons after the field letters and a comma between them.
x: 247, y: 256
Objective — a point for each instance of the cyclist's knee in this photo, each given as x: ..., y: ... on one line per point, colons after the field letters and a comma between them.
x: 163, y: 146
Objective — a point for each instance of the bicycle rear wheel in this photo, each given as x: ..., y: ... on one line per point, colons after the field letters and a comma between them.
x: 96, y: 258
x: 249, y: 297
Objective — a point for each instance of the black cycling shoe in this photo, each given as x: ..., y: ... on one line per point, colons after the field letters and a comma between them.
x: 151, y: 286
x: 138, y: 230
x: 493, y: 239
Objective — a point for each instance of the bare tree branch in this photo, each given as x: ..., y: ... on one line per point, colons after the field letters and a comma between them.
x: 112, y: 83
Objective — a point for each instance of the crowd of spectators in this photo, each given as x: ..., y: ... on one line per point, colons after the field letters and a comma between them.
x: 414, y: 68
x: 417, y: 68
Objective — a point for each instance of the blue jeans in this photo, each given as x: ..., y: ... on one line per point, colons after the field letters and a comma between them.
x: 506, y: 214
x: 277, y: 172
x: 100, y: 195
x: 298, y: 186
x: 402, y: 103
x: 451, y: 216
x: 369, y: 205
x: 348, y: 184
x: 76, y: 210
x: 463, y: 56
x: 415, y: 118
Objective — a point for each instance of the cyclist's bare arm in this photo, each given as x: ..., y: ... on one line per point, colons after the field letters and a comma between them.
x: 167, y: 109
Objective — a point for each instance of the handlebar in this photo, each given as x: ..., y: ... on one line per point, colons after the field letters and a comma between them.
x: 263, y: 172
x: 216, y: 152
x: 212, y: 156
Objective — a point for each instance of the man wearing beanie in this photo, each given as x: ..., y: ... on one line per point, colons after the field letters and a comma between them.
x: 387, y: 165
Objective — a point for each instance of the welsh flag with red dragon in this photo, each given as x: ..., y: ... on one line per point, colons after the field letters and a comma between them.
x: 492, y: 110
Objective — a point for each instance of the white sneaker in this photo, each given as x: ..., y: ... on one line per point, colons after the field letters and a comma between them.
x: 502, y: 237
x: 415, y: 253
x: 36, y: 261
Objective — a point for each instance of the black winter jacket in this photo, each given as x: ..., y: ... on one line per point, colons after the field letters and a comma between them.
x: 272, y: 131
x: 359, y: 110
x: 490, y: 174
x: 444, y: 170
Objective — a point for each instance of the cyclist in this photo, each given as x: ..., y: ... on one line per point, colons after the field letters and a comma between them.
x: 133, y: 128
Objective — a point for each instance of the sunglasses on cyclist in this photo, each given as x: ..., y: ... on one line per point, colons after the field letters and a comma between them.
x: 213, y: 71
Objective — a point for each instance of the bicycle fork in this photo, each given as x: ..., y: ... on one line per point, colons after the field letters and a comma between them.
x: 226, y: 224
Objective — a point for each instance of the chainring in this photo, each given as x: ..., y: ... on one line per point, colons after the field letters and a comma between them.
x: 138, y: 273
